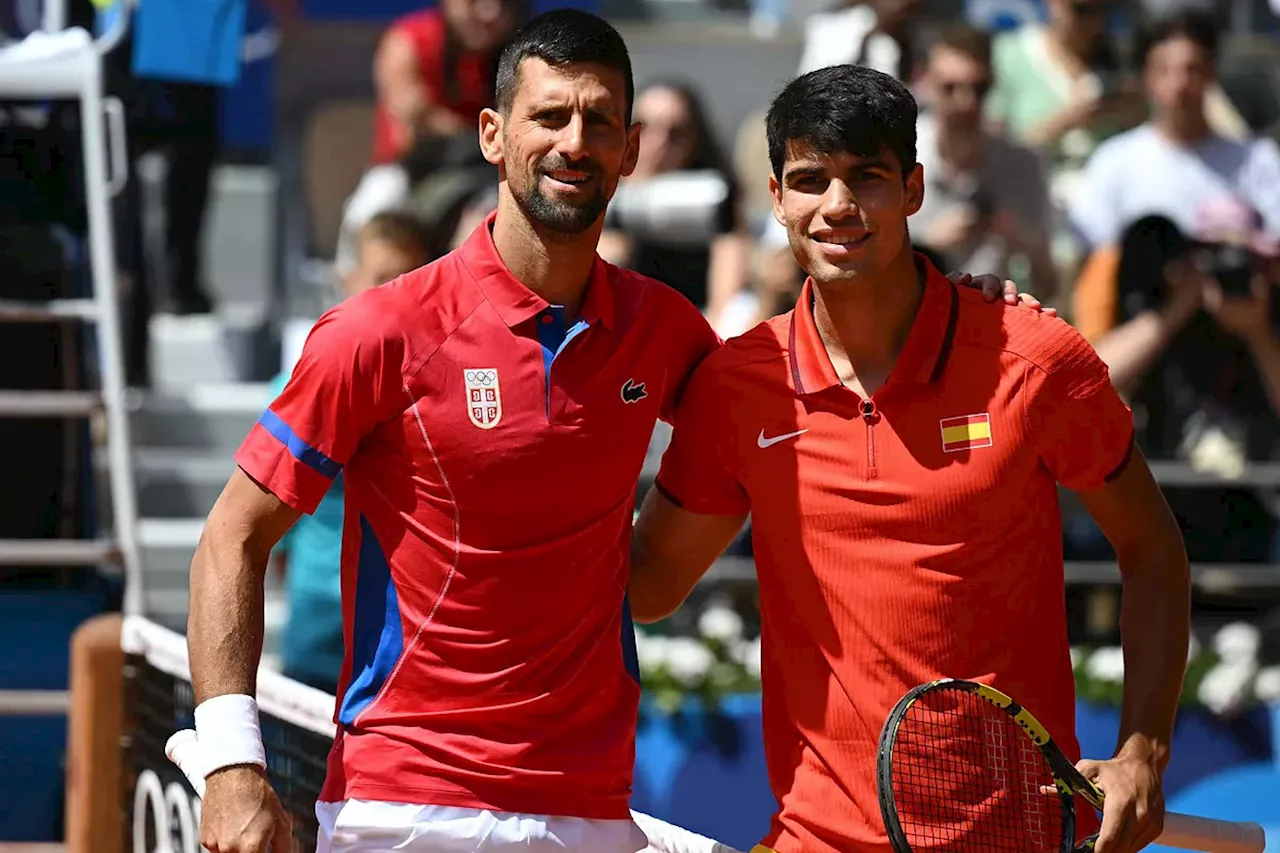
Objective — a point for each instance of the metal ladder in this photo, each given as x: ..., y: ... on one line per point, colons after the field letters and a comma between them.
x: 76, y: 73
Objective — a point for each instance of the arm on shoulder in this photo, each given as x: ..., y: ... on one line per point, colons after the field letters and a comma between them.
x: 671, y: 549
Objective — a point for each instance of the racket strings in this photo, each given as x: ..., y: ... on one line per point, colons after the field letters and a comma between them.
x: 966, y: 779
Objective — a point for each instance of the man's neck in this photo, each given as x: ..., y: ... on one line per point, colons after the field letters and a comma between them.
x: 863, y: 325
x: 959, y: 147
x: 553, y: 265
x: 1183, y: 130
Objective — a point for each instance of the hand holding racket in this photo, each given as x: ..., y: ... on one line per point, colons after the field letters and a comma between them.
x: 1128, y: 785
x: 963, y: 768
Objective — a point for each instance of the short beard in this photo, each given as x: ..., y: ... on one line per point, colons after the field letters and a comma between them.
x: 557, y: 216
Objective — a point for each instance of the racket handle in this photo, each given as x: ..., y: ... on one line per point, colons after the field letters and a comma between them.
x: 1207, y: 835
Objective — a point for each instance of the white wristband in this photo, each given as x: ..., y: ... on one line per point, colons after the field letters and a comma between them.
x: 228, y: 732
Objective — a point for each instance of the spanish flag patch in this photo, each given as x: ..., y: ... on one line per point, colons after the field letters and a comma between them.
x: 965, y: 432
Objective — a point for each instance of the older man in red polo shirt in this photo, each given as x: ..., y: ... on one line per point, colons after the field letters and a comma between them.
x: 899, y: 445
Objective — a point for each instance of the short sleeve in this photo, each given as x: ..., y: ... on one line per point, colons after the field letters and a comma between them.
x: 1079, y: 424
x: 697, y: 472
x: 346, y: 382
x: 426, y: 31
x: 691, y: 339
x: 285, y: 545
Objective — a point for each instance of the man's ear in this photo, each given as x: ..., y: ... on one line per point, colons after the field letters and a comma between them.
x: 775, y: 195
x: 915, y: 189
x: 491, y: 136
x: 632, y: 156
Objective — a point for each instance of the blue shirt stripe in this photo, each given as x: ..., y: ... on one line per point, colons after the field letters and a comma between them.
x: 554, y: 338
x: 377, y: 635
x: 303, y: 452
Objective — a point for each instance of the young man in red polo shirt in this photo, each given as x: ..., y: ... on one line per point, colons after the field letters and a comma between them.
x: 899, y: 445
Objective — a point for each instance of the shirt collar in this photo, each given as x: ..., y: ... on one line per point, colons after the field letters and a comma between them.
x: 924, y: 355
x: 516, y: 303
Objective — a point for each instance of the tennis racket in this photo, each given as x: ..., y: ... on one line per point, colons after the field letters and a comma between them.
x: 963, y: 768
x: 183, y: 750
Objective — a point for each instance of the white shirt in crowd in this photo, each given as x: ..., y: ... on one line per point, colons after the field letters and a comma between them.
x: 1141, y: 173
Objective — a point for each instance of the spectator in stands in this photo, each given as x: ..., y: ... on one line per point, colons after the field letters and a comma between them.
x: 985, y: 200
x: 1168, y: 166
x: 1060, y: 87
x: 1175, y: 161
x: 1196, y: 351
x: 874, y: 33
x: 309, y: 555
x: 677, y: 218
x: 434, y: 73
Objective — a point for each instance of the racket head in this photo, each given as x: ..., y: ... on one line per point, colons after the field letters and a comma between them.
x: 962, y: 768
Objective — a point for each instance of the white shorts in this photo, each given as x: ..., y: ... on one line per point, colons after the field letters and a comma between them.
x: 368, y: 826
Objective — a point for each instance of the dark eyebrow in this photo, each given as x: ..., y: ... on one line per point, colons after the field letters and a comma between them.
x: 874, y: 163
x: 804, y: 172
x: 552, y: 107
x: 859, y: 165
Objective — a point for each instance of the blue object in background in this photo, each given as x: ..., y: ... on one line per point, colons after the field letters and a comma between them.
x: 998, y: 15
x: 705, y: 772
x: 378, y: 10
x: 189, y: 41
x: 245, y: 109
x: 35, y: 629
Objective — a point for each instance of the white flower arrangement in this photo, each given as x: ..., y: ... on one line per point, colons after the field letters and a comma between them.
x: 718, y: 661
x: 1224, y: 676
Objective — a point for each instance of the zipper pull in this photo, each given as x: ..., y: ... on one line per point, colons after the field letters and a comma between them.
x: 869, y: 411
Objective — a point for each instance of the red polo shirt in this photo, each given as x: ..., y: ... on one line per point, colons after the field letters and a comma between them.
x: 490, y: 458
x: 907, y: 537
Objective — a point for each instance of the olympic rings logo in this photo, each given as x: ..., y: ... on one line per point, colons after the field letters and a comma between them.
x: 484, y: 378
x: 174, y: 812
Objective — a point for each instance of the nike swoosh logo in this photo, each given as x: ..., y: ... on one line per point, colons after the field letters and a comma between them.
x: 763, y: 442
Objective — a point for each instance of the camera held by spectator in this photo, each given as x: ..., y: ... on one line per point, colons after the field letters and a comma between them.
x: 1196, y: 350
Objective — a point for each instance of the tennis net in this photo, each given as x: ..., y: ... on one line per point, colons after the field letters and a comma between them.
x: 162, y: 811
x: 161, y: 808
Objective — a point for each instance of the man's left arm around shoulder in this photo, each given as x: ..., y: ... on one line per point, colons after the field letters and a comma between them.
x: 671, y: 549
x: 1154, y: 626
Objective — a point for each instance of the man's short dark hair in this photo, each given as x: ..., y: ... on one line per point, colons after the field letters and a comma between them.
x: 561, y: 38
x: 1198, y: 27
x: 843, y: 109
x: 962, y: 38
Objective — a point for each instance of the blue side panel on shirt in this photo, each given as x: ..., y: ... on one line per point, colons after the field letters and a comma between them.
x: 303, y: 452
x: 630, y: 658
x: 378, y: 633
